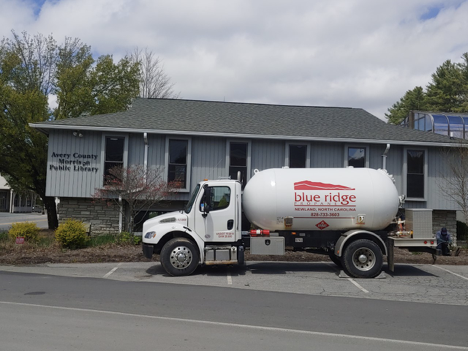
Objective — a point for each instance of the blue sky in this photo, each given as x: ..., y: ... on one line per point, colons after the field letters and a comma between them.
x: 431, y: 12
x: 351, y: 53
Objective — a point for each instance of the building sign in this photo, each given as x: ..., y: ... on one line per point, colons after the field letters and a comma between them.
x: 74, y: 162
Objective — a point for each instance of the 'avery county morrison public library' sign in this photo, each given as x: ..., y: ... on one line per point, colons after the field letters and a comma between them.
x: 74, y: 162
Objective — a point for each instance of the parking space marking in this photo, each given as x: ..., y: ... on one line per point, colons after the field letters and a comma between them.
x: 112, y: 271
x: 458, y: 275
x: 359, y: 286
x: 229, y: 278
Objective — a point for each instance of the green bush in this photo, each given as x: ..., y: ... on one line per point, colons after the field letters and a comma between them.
x: 71, y: 234
x: 128, y: 238
x: 28, y: 230
x: 4, y: 236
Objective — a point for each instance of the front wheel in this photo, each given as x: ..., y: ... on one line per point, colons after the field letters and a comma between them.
x: 179, y: 257
x: 362, y: 259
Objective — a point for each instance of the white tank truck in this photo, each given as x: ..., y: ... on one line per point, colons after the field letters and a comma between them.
x: 345, y: 213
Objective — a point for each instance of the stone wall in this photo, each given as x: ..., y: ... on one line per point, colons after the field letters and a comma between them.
x: 447, y: 219
x: 102, y: 218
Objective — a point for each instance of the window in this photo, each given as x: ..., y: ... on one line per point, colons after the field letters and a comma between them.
x: 220, y: 198
x: 178, y: 162
x: 114, y: 156
x: 239, y: 160
x: 356, y: 156
x: 441, y: 124
x: 415, y: 162
x: 297, y: 155
x: 3, y: 202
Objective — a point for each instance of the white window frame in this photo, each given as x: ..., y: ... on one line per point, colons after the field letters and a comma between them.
x: 249, y: 155
x: 189, y: 160
x: 103, y: 151
x: 286, y: 158
x: 405, y: 173
x: 347, y: 146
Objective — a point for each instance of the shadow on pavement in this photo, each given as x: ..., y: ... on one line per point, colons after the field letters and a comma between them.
x: 406, y: 270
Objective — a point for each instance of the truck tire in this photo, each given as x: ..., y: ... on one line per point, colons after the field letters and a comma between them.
x: 179, y: 257
x: 335, y: 259
x: 362, y: 259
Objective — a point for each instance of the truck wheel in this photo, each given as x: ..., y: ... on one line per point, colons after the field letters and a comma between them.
x: 335, y: 259
x: 362, y: 259
x: 179, y: 257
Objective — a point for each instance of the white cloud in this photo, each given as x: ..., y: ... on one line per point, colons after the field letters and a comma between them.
x: 356, y: 53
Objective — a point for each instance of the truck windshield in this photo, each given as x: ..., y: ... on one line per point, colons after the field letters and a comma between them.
x: 189, y: 206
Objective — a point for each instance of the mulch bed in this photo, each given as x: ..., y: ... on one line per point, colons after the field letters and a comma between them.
x: 29, y: 255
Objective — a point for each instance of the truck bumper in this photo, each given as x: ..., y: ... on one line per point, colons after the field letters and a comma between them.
x: 148, y: 250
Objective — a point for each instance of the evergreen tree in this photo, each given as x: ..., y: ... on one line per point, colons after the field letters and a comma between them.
x: 413, y: 100
x: 447, y: 92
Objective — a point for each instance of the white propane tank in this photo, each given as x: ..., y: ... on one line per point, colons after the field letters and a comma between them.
x: 321, y: 199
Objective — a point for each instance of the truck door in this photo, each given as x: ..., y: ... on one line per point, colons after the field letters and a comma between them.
x: 215, y: 218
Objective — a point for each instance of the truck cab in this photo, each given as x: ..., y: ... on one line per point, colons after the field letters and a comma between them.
x: 207, y: 231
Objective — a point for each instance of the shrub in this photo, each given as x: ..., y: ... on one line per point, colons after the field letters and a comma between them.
x: 128, y: 238
x: 3, y: 236
x: 28, y: 230
x: 71, y: 234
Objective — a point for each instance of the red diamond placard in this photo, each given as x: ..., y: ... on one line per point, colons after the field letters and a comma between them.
x: 322, y: 225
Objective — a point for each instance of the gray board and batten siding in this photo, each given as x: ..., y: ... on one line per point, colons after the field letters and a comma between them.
x: 211, y: 125
x: 209, y: 161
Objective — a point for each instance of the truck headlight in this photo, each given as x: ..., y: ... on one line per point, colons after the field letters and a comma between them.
x: 150, y: 235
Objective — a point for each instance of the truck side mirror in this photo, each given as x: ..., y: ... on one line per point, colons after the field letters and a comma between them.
x: 206, y: 200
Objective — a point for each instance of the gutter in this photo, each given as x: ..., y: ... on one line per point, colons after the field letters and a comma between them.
x: 41, y: 128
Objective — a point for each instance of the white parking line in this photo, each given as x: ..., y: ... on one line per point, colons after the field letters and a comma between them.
x: 229, y: 278
x: 458, y: 275
x: 359, y: 286
x: 112, y: 271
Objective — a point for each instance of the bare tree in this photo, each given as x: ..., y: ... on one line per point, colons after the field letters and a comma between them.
x: 454, y: 181
x: 154, y: 83
x: 137, y: 187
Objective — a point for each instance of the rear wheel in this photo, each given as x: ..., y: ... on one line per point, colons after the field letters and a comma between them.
x: 362, y: 259
x: 335, y: 259
x: 179, y: 257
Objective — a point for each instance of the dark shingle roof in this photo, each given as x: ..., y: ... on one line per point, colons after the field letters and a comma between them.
x: 249, y: 119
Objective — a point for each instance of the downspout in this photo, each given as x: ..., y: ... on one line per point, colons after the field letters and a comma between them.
x: 145, y: 160
x: 120, y: 213
x: 384, y: 157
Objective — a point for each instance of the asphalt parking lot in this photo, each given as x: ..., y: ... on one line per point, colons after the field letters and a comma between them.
x: 417, y: 283
x: 7, y: 219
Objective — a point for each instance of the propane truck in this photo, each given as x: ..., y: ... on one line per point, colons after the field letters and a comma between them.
x: 345, y: 213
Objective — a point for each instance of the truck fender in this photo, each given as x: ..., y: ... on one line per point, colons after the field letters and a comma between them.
x: 164, y: 231
x: 358, y: 234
